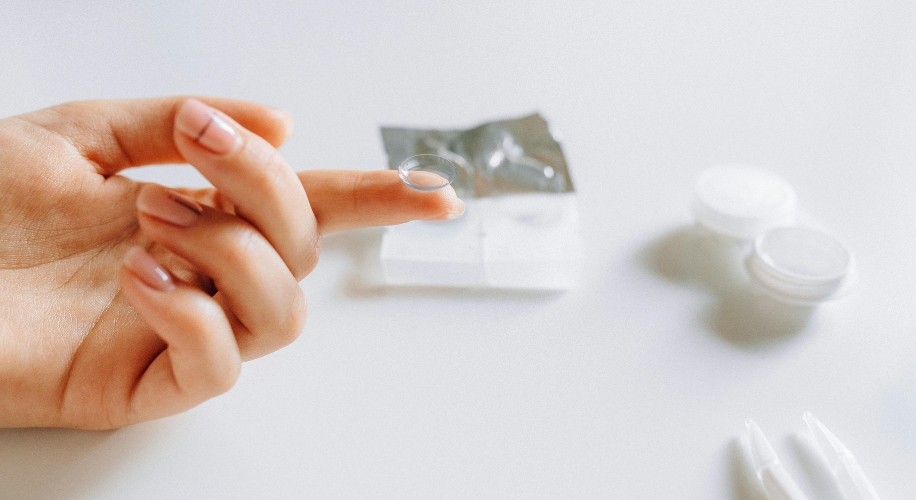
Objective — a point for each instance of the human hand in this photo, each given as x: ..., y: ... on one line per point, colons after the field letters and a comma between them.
x: 123, y: 301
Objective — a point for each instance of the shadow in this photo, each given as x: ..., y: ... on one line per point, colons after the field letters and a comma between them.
x: 53, y: 464
x: 740, y: 313
x: 744, y: 482
x: 814, y: 467
x: 751, y: 320
x: 365, y: 279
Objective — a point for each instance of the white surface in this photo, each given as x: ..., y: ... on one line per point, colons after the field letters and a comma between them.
x: 635, y: 385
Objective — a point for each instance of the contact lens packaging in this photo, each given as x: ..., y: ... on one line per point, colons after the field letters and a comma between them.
x: 520, y: 228
x: 749, y: 228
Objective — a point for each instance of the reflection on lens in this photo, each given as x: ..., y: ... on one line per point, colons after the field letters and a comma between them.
x: 427, y: 172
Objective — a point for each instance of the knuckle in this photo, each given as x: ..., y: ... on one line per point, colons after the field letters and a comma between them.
x: 71, y: 108
x: 201, y: 315
x: 220, y: 373
x: 239, y: 246
x: 223, y: 378
x: 309, y: 260
x: 271, y: 176
x: 294, y: 320
x: 360, y: 182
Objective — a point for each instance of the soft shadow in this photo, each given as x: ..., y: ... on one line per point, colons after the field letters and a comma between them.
x: 695, y: 257
x: 814, y: 467
x: 365, y: 280
x: 744, y: 482
x: 752, y: 320
x: 53, y: 464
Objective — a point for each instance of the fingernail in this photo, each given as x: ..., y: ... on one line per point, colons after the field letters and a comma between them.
x: 207, y: 127
x: 169, y: 206
x: 145, y: 267
x: 458, y: 210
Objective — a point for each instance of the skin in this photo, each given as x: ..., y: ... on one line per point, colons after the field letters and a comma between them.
x: 85, y: 341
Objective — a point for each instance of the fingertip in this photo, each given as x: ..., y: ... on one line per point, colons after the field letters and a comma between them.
x: 204, y: 357
x: 147, y: 271
x: 440, y: 205
x: 286, y: 125
x: 192, y: 116
x: 436, y: 204
x: 275, y: 125
x: 207, y: 128
x: 454, y: 205
x: 168, y: 205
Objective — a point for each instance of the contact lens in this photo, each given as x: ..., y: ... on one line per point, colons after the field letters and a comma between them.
x: 427, y: 172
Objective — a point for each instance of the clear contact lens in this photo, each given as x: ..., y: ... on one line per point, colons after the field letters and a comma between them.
x: 427, y: 172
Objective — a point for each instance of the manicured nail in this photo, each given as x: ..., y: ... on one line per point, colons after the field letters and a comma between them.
x: 207, y: 127
x: 145, y: 267
x: 169, y: 206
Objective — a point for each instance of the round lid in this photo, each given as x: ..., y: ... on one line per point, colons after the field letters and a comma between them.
x: 800, y: 264
x: 742, y: 201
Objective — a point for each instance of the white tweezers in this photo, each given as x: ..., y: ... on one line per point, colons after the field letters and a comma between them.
x: 779, y: 485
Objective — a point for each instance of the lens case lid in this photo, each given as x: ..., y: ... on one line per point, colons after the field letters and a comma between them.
x: 800, y: 264
x: 743, y: 201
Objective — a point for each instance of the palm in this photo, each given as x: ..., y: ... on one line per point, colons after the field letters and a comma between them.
x: 64, y: 322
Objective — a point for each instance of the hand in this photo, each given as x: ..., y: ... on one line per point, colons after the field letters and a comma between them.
x: 123, y: 301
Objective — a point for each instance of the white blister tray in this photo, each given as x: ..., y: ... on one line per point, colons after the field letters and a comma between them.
x: 523, y: 241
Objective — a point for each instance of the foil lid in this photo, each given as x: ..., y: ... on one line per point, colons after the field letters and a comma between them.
x: 502, y: 157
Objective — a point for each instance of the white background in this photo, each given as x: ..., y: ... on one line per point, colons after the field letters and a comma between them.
x: 634, y: 385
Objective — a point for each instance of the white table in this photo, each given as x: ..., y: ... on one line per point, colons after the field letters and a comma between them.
x: 634, y: 385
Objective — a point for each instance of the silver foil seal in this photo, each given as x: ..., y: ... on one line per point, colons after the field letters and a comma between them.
x: 502, y: 157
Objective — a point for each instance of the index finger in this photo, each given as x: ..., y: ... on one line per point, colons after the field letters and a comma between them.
x: 350, y: 199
